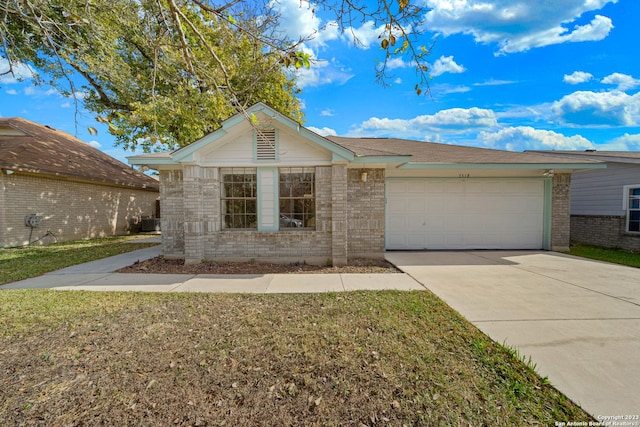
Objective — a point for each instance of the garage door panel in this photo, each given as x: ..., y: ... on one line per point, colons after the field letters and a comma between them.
x: 448, y: 214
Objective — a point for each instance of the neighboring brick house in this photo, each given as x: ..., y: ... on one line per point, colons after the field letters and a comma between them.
x: 55, y: 187
x: 605, y: 204
x: 274, y: 190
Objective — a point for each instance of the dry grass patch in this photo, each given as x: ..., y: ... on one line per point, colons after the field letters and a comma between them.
x: 364, y: 358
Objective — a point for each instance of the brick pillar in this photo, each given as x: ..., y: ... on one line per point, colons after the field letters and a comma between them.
x: 339, y: 215
x: 172, y: 220
x: 561, y: 212
x: 193, y: 215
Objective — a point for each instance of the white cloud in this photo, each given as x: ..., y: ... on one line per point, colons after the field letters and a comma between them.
x: 626, y: 142
x: 297, y: 19
x: 494, y: 82
x: 446, y: 64
x: 322, y: 72
x: 452, y: 120
x: 623, y: 81
x: 395, y: 63
x: 522, y: 138
x: 20, y: 72
x: 577, y: 77
x: 325, y: 131
x: 94, y: 144
x: 11, y: 92
x: 29, y: 90
x: 586, y: 108
x: 327, y: 113
x: 65, y: 105
x: 397, y: 81
x: 364, y: 36
x: 446, y: 89
x: 519, y: 25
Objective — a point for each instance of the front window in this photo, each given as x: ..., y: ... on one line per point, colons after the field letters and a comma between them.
x: 633, y: 210
x: 239, y: 198
x: 297, y: 198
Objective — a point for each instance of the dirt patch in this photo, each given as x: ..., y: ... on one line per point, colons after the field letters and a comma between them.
x: 173, y: 266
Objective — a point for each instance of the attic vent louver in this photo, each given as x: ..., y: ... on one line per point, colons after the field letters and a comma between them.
x: 266, y: 144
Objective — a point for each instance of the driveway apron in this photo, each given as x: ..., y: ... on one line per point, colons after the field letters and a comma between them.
x: 578, y: 320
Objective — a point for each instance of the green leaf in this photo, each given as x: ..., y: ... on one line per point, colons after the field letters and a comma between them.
x: 231, y: 19
x: 92, y: 130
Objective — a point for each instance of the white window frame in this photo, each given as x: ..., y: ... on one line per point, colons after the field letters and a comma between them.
x: 304, y: 217
x: 225, y: 198
x: 625, y: 205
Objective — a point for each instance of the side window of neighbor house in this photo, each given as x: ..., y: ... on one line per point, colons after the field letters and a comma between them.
x: 238, y: 198
x: 297, y: 198
x: 633, y: 210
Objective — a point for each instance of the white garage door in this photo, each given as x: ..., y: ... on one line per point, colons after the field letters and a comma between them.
x: 457, y: 214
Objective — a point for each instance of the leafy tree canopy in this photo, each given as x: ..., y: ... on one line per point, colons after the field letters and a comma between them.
x: 163, y: 73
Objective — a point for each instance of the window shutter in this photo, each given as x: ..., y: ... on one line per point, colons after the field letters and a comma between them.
x: 266, y: 144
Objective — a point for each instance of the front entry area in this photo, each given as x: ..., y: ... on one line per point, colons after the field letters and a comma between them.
x: 450, y: 214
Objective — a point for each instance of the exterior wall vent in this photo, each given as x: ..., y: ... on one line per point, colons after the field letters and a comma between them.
x: 266, y: 144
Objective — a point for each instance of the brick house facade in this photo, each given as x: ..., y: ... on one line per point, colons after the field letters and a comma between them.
x: 223, y: 198
x: 73, y: 190
x: 605, y: 203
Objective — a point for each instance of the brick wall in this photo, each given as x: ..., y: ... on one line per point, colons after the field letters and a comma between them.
x: 172, y: 219
x: 560, y: 212
x: 349, y: 220
x: 70, y: 210
x: 603, y: 230
x: 191, y: 223
x: 365, y: 217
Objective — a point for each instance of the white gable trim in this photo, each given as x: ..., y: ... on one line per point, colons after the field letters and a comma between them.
x: 185, y: 154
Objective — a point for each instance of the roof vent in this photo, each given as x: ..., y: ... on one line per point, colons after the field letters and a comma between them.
x: 590, y: 150
x: 8, y: 130
x: 265, y: 144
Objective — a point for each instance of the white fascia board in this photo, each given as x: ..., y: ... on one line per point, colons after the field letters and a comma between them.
x: 557, y: 166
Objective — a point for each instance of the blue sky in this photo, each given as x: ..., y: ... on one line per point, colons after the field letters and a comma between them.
x: 507, y: 74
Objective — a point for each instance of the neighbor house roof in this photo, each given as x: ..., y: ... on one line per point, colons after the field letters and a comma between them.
x: 436, y: 153
x: 30, y: 147
x: 603, y: 156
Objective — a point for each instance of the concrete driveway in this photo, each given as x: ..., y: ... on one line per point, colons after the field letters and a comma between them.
x: 579, y: 320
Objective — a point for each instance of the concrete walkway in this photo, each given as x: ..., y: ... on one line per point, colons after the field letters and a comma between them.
x: 99, y: 276
x: 578, y: 319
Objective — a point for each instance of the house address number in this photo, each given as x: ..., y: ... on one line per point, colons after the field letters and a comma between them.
x: 464, y: 175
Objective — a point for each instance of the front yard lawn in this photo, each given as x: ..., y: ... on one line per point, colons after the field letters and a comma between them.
x: 30, y: 261
x: 358, y: 359
x: 617, y: 256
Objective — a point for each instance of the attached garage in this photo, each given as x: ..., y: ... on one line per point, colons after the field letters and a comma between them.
x: 464, y: 214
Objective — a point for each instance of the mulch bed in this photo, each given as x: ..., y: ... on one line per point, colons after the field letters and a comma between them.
x: 173, y: 266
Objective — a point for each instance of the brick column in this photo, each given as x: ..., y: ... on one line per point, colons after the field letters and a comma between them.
x: 193, y: 215
x: 172, y: 220
x: 339, y: 215
x: 561, y: 212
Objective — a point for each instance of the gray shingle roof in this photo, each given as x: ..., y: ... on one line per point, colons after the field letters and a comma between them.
x: 431, y: 152
x: 30, y: 147
x: 604, y: 156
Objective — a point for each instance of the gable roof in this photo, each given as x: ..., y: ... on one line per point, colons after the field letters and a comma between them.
x: 603, y: 156
x: 432, y: 153
x: 406, y: 154
x: 30, y: 147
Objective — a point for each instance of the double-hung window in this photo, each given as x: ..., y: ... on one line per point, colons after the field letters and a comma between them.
x: 238, y: 198
x: 297, y: 198
x: 633, y: 209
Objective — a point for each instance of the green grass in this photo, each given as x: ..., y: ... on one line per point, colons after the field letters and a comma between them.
x: 31, y: 261
x: 617, y: 256
x: 361, y: 358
